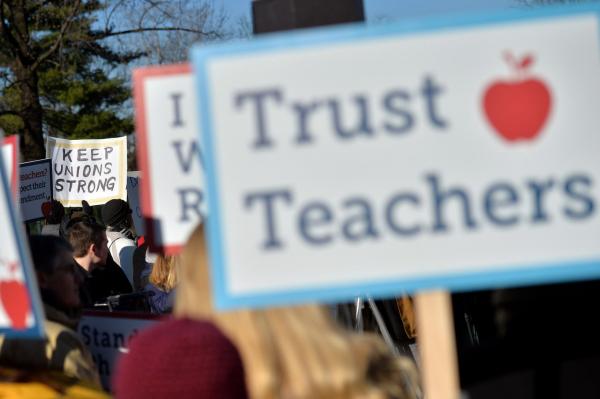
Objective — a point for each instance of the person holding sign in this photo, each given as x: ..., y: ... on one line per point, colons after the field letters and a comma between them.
x: 116, y: 215
x: 295, y: 352
x: 62, y: 350
x: 54, y: 214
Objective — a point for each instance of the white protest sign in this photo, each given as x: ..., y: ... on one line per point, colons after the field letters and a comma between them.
x: 10, y: 152
x: 36, y: 187
x: 91, y: 170
x: 107, y: 335
x: 133, y: 198
x: 169, y: 156
x: 361, y: 160
x: 20, y: 307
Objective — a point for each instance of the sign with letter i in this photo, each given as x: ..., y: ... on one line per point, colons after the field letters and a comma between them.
x: 170, y: 158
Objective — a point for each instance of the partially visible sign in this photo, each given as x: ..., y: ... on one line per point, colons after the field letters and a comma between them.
x: 10, y: 152
x: 458, y: 154
x: 20, y: 307
x: 107, y: 335
x: 36, y: 187
x: 173, y: 200
x: 91, y: 170
x: 133, y: 198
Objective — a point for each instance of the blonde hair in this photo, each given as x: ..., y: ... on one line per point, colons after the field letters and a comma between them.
x: 164, y: 272
x: 294, y: 352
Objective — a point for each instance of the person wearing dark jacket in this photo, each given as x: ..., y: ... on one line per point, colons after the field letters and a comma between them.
x: 90, y: 251
x: 161, y: 286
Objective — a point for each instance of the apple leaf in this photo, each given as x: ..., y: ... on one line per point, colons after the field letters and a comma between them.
x: 526, y: 61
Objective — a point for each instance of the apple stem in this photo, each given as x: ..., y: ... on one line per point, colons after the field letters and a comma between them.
x: 518, y: 66
x: 511, y: 61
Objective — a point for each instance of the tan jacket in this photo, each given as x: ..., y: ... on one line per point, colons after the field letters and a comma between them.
x: 62, y: 350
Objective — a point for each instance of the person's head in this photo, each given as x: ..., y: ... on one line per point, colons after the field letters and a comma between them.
x: 89, y: 242
x: 56, y: 271
x: 294, y: 352
x: 53, y: 212
x: 180, y: 358
x: 164, y: 272
x: 116, y: 215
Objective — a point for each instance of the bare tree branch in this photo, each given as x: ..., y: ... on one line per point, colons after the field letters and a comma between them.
x: 162, y: 29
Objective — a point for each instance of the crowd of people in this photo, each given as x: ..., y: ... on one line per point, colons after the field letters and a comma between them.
x: 87, y: 262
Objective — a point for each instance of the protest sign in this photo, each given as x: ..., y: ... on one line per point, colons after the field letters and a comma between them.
x: 91, y: 170
x: 20, y: 307
x: 133, y: 198
x: 470, y: 161
x: 173, y: 201
x: 36, y: 187
x: 107, y: 335
x: 10, y: 152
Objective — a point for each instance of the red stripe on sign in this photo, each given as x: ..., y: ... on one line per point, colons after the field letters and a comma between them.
x: 143, y: 154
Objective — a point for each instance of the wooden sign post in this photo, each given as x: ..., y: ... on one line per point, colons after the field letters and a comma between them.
x: 437, y: 346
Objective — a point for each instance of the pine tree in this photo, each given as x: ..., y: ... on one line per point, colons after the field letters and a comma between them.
x: 58, y: 68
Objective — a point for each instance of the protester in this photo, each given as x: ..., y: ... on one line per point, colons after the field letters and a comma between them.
x: 54, y: 213
x: 116, y: 215
x: 143, y: 260
x: 62, y: 350
x: 295, y: 352
x: 180, y: 358
x: 104, y: 278
x: 163, y: 280
x: 90, y: 251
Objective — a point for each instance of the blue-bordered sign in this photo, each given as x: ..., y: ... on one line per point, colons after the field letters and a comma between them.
x: 456, y: 153
x: 35, y: 179
x: 21, y: 313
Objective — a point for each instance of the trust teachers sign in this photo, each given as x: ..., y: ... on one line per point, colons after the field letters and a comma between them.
x: 450, y: 154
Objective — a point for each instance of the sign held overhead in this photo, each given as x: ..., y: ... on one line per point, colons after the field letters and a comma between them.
x: 36, y: 187
x: 169, y: 155
x: 452, y: 166
x: 91, y: 170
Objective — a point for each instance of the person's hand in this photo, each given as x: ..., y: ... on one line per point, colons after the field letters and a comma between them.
x: 87, y: 209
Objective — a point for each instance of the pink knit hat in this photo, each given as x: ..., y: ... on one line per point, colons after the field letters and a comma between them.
x: 180, y: 358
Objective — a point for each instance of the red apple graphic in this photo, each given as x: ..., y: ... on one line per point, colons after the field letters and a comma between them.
x: 518, y: 108
x: 15, y: 300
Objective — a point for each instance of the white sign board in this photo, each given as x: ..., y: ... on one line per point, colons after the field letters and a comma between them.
x: 133, y: 198
x: 36, y: 187
x: 107, y: 336
x: 20, y: 307
x: 169, y: 156
x: 91, y: 170
x: 10, y: 151
x: 451, y: 154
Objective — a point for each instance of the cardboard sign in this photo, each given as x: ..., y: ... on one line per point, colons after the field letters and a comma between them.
x: 91, y: 170
x: 10, y: 152
x: 456, y: 153
x: 36, y: 187
x: 133, y: 198
x: 107, y: 335
x: 173, y: 200
x: 20, y: 307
